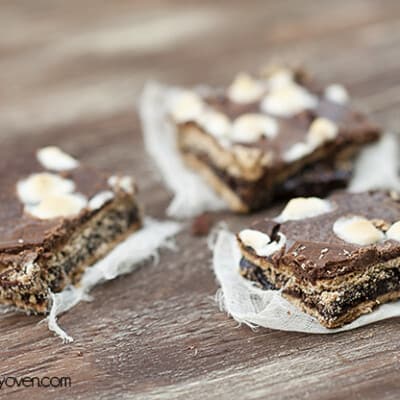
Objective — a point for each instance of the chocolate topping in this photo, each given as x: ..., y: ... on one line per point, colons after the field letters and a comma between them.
x: 313, y: 250
x: 20, y: 231
x: 354, y: 127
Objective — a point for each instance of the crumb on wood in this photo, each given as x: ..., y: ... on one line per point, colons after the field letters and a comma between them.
x: 342, y: 359
x: 193, y: 347
x: 201, y: 225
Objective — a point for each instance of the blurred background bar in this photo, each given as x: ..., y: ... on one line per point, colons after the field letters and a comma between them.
x: 65, y: 61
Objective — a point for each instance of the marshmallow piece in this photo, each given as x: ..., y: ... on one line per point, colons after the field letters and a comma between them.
x: 260, y: 242
x: 186, y: 106
x: 321, y: 130
x: 394, y: 232
x: 38, y: 186
x: 288, y: 100
x: 254, y: 239
x: 336, y: 93
x: 250, y: 127
x: 125, y: 183
x: 245, y: 89
x: 59, y: 205
x: 215, y: 123
x: 297, y: 151
x: 280, y: 78
x: 273, y: 247
x: 357, y: 230
x: 98, y: 201
x: 304, y: 207
x: 53, y: 158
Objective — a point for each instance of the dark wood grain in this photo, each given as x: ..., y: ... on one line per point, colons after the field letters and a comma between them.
x: 70, y: 75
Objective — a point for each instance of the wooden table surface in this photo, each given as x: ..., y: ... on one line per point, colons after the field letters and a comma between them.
x: 70, y: 74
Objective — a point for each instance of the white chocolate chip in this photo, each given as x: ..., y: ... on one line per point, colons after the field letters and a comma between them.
x: 125, y: 183
x: 357, y: 230
x: 250, y: 127
x: 60, y: 205
x: 394, y: 232
x: 215, y: 123
x: 98, y: 201
x: 245, y: 89
x: 304, y: 207
x: 55, y: 159
x: 288, y: 100
x: 321, y: 131
x: 38, y: 186
x: 297, y: 151
x: 337, y: 94
x: 186, y: 106
x: 260, y: 242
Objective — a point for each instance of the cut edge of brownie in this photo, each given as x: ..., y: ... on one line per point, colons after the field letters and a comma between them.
x: 245, y: 195
x: 379, y: 284
x: 28, y: 286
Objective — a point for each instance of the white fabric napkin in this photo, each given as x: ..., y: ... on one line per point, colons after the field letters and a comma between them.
x: 192, y: 195
x: 254, y: 307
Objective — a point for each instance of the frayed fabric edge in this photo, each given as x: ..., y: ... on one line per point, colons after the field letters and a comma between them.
x: 118, y: 262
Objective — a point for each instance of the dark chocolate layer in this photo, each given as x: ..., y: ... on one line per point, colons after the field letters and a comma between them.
x: 255, y: 273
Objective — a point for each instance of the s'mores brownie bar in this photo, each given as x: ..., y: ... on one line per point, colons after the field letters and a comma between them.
x: 336, y: 259
x: 270, y: 137
x: 57, y: 217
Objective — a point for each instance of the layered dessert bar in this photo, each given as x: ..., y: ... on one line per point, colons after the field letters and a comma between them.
x: 57, y: 217
x: 274, y: 136
x: 336, y: 258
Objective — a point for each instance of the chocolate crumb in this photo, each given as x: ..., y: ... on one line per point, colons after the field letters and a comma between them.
x: 201, y: 225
